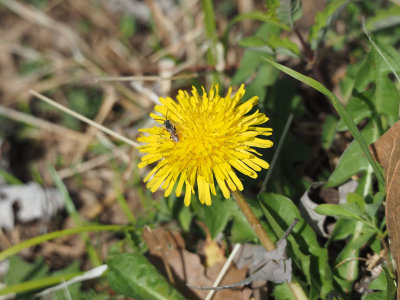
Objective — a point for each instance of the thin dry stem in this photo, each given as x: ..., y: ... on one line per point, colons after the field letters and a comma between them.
x: 83, y: 119
x: 91, y: 164
x: 223, y: 270
x: 106, y: 106
x: 147, y: 78
x: 39, y: 123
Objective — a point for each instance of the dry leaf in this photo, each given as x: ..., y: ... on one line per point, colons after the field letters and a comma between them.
x: 393, y: 220
x: 33, y: 202
x: 382, y: 148
x: 386, y: 151
x: 187, y: 268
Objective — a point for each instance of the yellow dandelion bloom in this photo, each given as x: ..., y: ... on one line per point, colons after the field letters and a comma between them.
x: 203, y: 139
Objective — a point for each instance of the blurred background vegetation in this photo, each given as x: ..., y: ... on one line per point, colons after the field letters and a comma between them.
x: 58, y: 173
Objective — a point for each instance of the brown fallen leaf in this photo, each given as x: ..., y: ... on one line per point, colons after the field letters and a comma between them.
x: 212, y: 251
x: 187, y: 267
x: 393, y: 220
x: 386, y: 151
x: 382, y: 149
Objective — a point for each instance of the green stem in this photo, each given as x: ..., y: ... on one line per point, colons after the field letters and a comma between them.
x: 265, y: 240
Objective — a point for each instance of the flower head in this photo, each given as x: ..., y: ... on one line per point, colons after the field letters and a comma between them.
x: 202, y: 140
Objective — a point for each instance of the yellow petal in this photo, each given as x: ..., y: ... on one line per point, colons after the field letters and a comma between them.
x: 182, y: 179
x: 188, y: 194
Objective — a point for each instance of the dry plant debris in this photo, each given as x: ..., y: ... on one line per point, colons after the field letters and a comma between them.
x: 167, y: 250
x: 386, y: 151
x: 69, y: 49
x: 31, y: 202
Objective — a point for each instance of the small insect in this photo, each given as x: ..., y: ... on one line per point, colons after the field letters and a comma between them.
x: 170, y: 127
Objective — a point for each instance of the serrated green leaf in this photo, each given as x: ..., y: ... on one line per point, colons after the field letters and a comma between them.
x: 134, y: 276
x: 324, y: 19
x: 381, y: 98
x: 352, y: 160
x: 289, y: 11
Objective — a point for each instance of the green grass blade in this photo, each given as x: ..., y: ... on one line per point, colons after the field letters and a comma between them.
x: 339, y: 108
x: 69, y: 204
x: 211, y: 33
x: 9, y: 178
x: 125, y: 207
x: 37, y: 283
x: 56, y: 234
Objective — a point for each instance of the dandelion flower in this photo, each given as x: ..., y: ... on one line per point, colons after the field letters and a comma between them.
x: 202, y: 140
